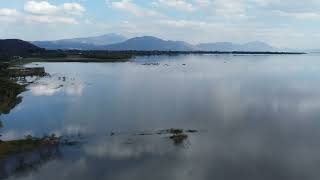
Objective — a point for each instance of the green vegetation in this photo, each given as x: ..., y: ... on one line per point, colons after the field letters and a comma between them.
x: 179, y: 138
x: 106, y: 55
x: 9, y: 92
x: 24, y: 72
x: 175, y: 131
x: 28, y: 144
x: 110, y: 56
x: 78, y: 56
x: 17, y: 146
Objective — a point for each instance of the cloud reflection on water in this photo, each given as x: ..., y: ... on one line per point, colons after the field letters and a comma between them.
x: 49, y: 86
x: 261, y: 114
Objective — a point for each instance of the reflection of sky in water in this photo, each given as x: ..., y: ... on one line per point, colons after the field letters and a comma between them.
x: 51, y: 85
x: 261, y: 114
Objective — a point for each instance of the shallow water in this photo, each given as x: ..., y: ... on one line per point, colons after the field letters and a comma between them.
x: 258, y: 118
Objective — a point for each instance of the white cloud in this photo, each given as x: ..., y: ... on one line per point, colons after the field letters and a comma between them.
x: 43, y: 12
x: 286, y: 3
x: 39, y: 19
x: 9, y: 12
x: 298, y: 9
x: 50, y: 19
x: 178, y: 4
x: 45, y: 8
x: 42, y: 88
x: 188, y: 24
x: 131, y: 7
x: 212, y: 8
x: 73, y: 8
x: 300, y: 15
x: 224, y: 8
x: 8, y: 15
x: 40, y: 7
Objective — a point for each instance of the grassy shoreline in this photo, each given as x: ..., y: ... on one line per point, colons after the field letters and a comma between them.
x: 9, y: 94
x: 71, y: 59
x: 18, y: 146
x: 120, y: 56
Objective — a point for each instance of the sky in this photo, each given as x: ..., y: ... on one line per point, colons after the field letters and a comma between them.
x: 281, y: 23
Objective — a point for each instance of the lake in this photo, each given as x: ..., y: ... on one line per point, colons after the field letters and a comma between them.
x: 257, y: 118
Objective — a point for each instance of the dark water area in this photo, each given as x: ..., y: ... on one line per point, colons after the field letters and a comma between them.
x: 258, y: 118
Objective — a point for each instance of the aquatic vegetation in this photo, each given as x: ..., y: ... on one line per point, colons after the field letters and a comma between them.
x: 10, y: 89
x: 177, y: 135
x: 151, y: 64
x: 179, y: 138
x: 175, y: 131
x: 192, y: 131
x: 9, y: 92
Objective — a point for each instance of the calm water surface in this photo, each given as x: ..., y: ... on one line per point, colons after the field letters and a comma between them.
x: 258, y: 117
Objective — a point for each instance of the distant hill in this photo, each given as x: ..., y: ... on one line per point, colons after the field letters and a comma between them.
x: 16, y: 47
x: 99, y: 40
x: 150, y: 43
x: 228, y: 46
x: 54, y: 45
x: 87, y: 43
x: 117, y: 42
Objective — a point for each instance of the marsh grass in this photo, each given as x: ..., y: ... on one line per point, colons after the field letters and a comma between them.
x: 18, y: 146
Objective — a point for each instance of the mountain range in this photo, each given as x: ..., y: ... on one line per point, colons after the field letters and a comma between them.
x: 88, y: 43
x: 115, y: 42
x: 149, y: 43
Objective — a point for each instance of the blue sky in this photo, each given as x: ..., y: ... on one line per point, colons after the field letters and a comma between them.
x: 282, y: 23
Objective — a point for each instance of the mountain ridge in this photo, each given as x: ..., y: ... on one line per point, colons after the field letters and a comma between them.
x: 149, y: 43
x: 82, y: 43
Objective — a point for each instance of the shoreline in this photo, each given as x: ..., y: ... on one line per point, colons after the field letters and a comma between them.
x: 125, y: 56
x: 83, y: 60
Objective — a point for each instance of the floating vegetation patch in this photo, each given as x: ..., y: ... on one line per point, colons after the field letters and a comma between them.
x: 151, y: 64
x: 177, y: 135
x: 179, y: 138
